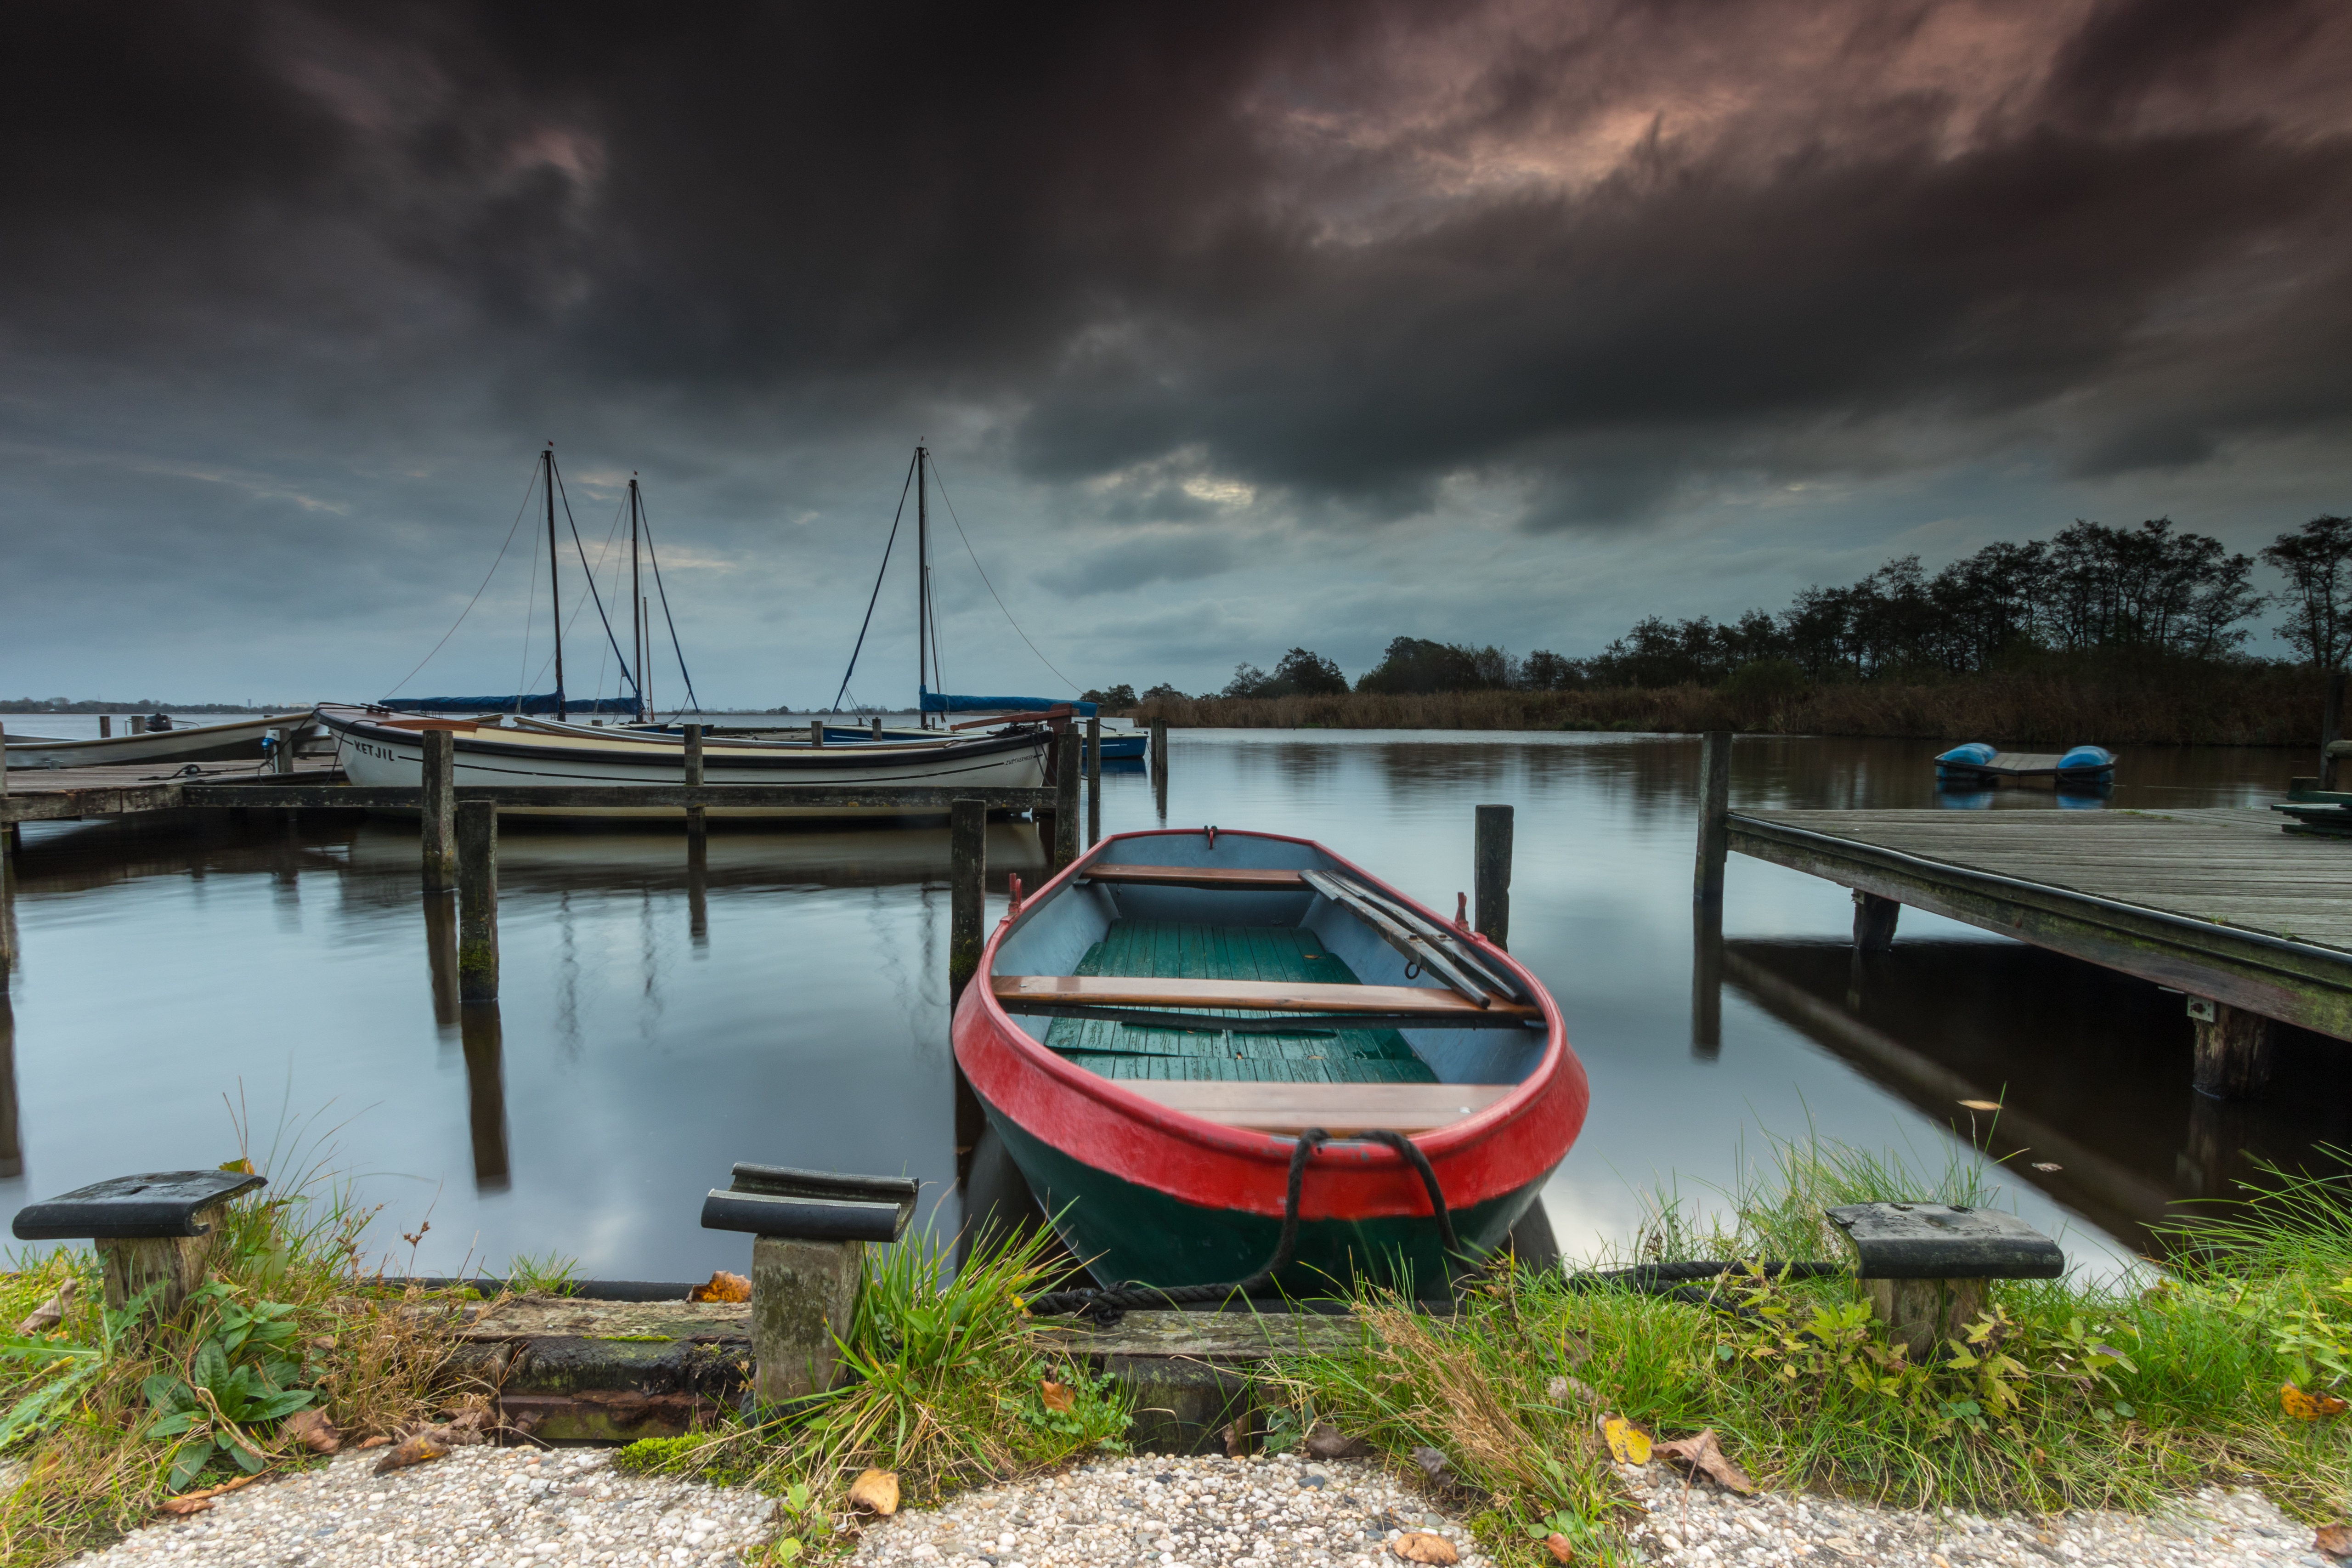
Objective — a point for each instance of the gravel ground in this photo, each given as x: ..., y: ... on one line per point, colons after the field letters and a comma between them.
x: 486, y: 1506
x: 515, y: 1507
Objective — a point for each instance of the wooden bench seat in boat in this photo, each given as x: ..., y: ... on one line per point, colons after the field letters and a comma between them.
x: 1240, y: 878
x: 1334, y: 1107
x: 1051, y: 993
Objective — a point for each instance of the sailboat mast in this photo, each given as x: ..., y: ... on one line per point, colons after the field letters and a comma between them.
x: 554, y: 604
x: 922, y: 586
x: 637, y: 604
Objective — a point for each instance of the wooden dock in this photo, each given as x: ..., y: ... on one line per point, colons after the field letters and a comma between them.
x: 2252, y: 924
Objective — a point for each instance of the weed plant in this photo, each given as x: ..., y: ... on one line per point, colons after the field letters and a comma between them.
x: 947, y: 1381
x: 109, y: 1414
x: 2069, y: 1392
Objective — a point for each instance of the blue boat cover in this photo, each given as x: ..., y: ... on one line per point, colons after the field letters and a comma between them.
x: 532, y: 702
x: 2085, y: 758
x: 1975, y: 753
x: 941, y: 702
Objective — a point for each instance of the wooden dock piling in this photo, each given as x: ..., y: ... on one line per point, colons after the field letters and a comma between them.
x: 1066, y: 798
x: 817, y: 731
x: 477, y: 901
x: 1874, y: 921
x: 966, y: 927
x: 1714, y: 808
x: 105, y: 726
x: 483, y: 1035
x: 437, y: 811
x: 2233, y: 1050
x: 877, y: 726
x: 1707, y: 982
x: 1094, y: 781
x: 695, y: 824
x: 1491, y: 875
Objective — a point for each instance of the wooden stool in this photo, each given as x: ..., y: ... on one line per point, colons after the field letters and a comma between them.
x: 1925, y: 1265
x: 156, y: 1229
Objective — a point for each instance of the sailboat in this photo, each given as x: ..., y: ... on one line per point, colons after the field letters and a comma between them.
x: 503, y: 743
x: 930, y: 704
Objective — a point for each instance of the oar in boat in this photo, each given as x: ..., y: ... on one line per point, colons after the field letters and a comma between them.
x: 1495, y: 977
x: 1414, y: 945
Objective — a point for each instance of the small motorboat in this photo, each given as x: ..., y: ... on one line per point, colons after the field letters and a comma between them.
x: 1979, y: 766
x: 235, y: 740
x: 1155, y: 1028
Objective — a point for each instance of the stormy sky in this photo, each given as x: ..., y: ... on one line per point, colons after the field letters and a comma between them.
x: 1233, y: 326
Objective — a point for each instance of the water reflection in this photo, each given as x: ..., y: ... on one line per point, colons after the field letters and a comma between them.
x: 635, y: 1053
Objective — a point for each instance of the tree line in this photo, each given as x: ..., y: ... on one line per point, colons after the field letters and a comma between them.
x: 2155, y: 589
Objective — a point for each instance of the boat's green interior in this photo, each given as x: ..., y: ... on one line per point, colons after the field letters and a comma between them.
x: 1166, y: 950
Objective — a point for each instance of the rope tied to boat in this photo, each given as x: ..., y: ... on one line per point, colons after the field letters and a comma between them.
x: 1106, y: 1306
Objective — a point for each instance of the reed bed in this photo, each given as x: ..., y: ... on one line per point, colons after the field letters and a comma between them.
x: 2055, y: 703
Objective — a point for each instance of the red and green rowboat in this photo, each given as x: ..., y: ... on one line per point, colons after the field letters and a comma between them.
x: 1154, y: 1026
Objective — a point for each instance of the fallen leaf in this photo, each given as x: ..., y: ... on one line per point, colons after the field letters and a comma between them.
x: 1057, y: 1396
x: 1433, y: 1462
x: 375, y: 1442
x: 1421, y: 1546
x: 184, y: 1505
x: 2334, y: 1539
x: 1628, y: 1444
x: 1982, y: 1104
x: 2308, y: 1406
x: 1704, y: 1455
x: 2048, y: 1166
x: 423, y: 1448
x: 1558, y: 1545
x: 51, y: 1312
x: 1560, y: 1390
x: 313, y: 1431
x: 1327, y: 1442
x: 1236, y: 1440
x: 723, y: 1287
x: 875, y: 1491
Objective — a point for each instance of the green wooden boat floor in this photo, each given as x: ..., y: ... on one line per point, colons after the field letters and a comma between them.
x: 1163, y: 951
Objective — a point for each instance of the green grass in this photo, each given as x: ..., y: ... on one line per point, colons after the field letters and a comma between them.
x: 945, y: 1384
x: 2073, y: 1393
x: 542, y: 1274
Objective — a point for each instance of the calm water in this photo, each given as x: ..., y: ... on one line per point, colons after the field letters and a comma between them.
x: 789, y: 1006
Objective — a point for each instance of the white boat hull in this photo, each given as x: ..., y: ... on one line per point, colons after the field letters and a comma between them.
x: 380, y: 754
x: 196, y: 743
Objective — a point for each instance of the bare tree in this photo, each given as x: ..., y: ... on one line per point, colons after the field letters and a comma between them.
x: 2318, y: 560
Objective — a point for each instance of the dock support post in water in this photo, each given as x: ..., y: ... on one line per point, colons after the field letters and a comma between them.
x: 1714, y: 807
x: 1491, y: 875
x: 477, y: 901
x: 694, y: 822
x: 1094, y: 781
x: 1707, y: 982
x: 967, y: 921
x: 817, y: 731
x: 483, y: 1035
x: 1874, y: 921
x: 2331, y: 727
x: 2233, y: 1049
x: 436, y: 811
x: 1066, y: 798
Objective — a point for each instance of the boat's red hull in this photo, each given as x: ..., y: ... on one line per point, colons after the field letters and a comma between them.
x: 1209, y: 1169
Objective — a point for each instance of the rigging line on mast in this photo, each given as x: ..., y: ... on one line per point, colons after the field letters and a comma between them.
x: 606, y: 549
x: 493, y: 571
x: 896, y: 519
x: 993, y: 593
x: 589, y: 572
x: 653, y: 555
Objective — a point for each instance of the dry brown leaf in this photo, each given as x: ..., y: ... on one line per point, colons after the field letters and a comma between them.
x: 1057, y: 1396
x: 421, y: 1448
x: 1558, y: 1545
x: 1327, y: 1442
x: 313, y: 1429
x: 51, y: 1312
x: 376, y: 1442
x: 723, y: 1287
x: 1704, y: 1455
x: 2308, y: 1406
x: 1421, y: 1546
x: 2334, y: 1541
x: 184, y: 1505
x: 875, y: 1491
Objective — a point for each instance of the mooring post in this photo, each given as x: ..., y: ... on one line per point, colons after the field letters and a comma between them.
x: 817, y: 731
x: 967, y: 918
x: 137, y: 723
x: 697, y: 886
x: 1714, y: 806
x: 281, y: 751
x: 7, y: 919
x: 105, y: 726
x: 877, y: 726
x: 694, y: 822
x: 1874, y: 921
x: 1066, y: 798
x: 2331, y: 727
x: 1159, y: 751
x: 2233, y: 1049
x: 1924, y: 1266
x: 477, y: 901
x: 1491, y: 874
x: 438, y: 808
x: 153, y: 1232
x: 1094, y: 780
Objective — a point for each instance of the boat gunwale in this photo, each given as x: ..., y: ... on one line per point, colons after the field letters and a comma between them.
x: 1265, y: 1148
x: 714, y: 757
